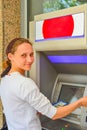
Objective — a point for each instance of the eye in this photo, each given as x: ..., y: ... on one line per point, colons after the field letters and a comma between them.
x: 32, y: 54
x: 23, y: 55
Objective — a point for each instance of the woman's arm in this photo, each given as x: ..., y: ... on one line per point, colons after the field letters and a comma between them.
x: 66, y: 110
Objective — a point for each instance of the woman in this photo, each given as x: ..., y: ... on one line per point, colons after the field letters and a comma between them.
x: 20, y: 95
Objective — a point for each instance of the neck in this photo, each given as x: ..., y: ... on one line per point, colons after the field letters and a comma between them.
x: 20, y: 71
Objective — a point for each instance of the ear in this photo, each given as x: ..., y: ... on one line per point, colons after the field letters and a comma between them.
x: 10, y: 56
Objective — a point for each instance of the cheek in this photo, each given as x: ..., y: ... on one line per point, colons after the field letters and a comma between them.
x: 33, y: 59
x: 18, y: 61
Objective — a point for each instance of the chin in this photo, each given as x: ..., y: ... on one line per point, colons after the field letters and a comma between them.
x: 27, y: 69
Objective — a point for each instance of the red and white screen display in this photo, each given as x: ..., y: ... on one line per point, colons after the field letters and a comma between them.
x: 68, y: 26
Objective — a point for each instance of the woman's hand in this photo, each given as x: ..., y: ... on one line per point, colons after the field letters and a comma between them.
x: 66, y: 110
x: 83, y: 101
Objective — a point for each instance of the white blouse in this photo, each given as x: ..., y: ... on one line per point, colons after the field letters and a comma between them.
x: 21, y: 101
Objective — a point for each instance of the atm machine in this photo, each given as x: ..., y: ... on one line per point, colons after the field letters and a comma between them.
x: 59, y: 40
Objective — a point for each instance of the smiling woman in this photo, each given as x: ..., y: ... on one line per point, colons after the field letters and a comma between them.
x: 20, y: 56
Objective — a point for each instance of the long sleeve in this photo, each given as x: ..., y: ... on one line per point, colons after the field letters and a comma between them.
x: 30, y: 93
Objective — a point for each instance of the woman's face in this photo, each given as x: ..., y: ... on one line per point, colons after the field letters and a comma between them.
x: 23, y: 57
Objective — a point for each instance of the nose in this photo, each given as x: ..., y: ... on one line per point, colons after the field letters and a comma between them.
x: 30, y: 59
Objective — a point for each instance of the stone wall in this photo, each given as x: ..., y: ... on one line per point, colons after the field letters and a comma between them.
x: 1, y: 56
x: 11, y: 18
x: 1, y: 36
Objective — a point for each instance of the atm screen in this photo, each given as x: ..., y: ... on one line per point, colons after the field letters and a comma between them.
x: 70, y: 93
x: 68, y: 89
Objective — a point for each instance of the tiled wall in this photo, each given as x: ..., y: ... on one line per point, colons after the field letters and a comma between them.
x: 9, y: 29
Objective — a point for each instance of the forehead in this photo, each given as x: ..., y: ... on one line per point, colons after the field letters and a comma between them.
x: 25, y: 47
